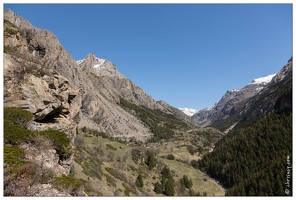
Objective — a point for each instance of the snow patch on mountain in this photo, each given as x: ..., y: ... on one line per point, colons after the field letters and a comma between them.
x: 189, y: 111
x: 234, y: 90
x: 100, y: 63
x: 263, y: 80
x: 80, y: 61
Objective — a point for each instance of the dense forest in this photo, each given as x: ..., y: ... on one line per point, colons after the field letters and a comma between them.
x: 255, y: 159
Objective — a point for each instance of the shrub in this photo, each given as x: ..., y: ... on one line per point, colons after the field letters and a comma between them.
x: 171, y: 157
x: 61, y: 142
x: 72, y: 185
x: 110, y: 180
x: 18, y: 116
x: 84, y: 129
x: 117, y: 174
x: 137, y: 155
x: 99, y: 150
x: 128, y: 189
x: 19, y: 177
x: 12, y: 154
x: 14, y: 134
x: 11, y: 31
x: 8, y: 49
x: 190, y: 149
x: 9, y: 23
x: 194, y: 163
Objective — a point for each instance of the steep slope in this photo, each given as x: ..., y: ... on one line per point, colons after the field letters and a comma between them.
x: 265, y: 101
x: 42, y: 78
x: 255, y: 157
x: 230, y: 103
x: 60, y: 95
x: 89, y: 90
x: 113, y: 86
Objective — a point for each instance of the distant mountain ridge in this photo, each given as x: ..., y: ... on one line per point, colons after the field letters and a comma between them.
x: 189, y: 111
x: 230, y: 102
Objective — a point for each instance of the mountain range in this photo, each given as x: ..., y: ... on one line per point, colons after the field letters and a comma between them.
x: 260, y: 82
x: 230, y: 102
x: 69, y: 109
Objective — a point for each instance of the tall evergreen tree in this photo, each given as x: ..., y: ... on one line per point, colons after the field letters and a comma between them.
x: 158, y: 188
x: 139, y: 181
x: 169, y: 189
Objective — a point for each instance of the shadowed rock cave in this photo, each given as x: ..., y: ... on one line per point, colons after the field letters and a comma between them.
x: 50, y: 118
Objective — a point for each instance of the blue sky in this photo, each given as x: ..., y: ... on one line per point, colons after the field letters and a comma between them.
x: 185, y: 54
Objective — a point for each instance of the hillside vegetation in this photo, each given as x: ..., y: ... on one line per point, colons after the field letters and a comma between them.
x: 103, y: 165
x: 20, y: 172
x: 132, y: 168
x: 254, y: 159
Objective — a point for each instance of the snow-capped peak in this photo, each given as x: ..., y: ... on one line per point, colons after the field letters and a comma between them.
x: 263, y: 80
x: 188, y: 111
x: 99, y: 62
x: 92, y: 60
x: 80, y: 61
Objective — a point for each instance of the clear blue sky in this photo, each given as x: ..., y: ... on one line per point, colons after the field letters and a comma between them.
x: 187, y: 55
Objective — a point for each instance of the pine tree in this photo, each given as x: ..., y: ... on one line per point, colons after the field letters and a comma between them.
x: 186, y: 182
x: 139, y: 181
x: 169, y: 189
x: 151, y: 161
x: 279, y: 187
x: 158, y: 188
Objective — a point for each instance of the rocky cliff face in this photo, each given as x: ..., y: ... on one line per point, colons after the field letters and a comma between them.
x: 42, y: 77
x: 112, y: 84
x: 37, y: 74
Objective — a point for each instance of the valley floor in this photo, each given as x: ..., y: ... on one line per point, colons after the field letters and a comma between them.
x: 111, y: 168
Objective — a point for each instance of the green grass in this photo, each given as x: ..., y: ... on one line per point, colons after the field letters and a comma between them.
x: 109, y: 146
x: 112, y: 175
x: 201, y: 182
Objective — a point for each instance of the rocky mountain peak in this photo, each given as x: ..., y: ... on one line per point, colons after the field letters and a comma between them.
x: 98, y: 66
